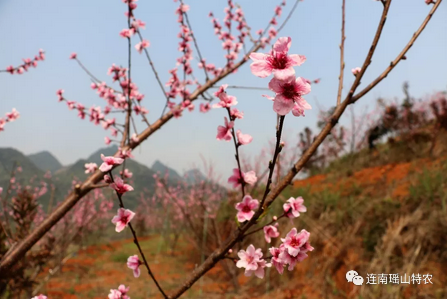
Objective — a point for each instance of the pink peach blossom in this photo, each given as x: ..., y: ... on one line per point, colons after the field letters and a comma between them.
x: 73, y: 55
x: 120, y: 187
x: 138, y: 24
x: 277, y: 259
x: 59, y: 94
x: 288, y: 94
x: 295, y: 241
x: 122, y: 219
x: 114, y: 294
x: 90, y: 167
x: 226, y: 100
x: 123, y: 290
x: 294, y: 207
x: 277, y: 61
x: 133, y: 262
x: 246, y: 208
x: 243, y: 138
x: 293, y: 260
x: 236, y: 113
x: 142, y: 45
x: 40, y: 297
x: 205, y: 107
x: 127, y: 33
x: 270, y: 231
x: 109, y: 162
x: 13, y: 115
x: 248, y: 177
x: 224, y: 132
x: 252, y: 262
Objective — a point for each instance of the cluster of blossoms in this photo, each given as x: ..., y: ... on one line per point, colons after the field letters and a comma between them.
x: 134, y: 27
x: 287, y: 88
x: 232, y: 44
x: 178, y: 87
x: 124, y: 216
x: 294, y: 246
x: 118, y: 100
x: 288, y: 97
x: 227, y: 133
x: 120, y: 293
x: 27, y: 63
x: 10, y: 116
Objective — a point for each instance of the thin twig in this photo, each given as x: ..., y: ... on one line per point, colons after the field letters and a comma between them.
x: 135, y: 240
x: 272, y: 163
x: 243, y: 87
x: 153, y: 68
x: 342, y: 54
x: 195, y: 43
x: 288, y: 16
x: 87, y: 71
x: 400, y: 56
x: 236, y: 147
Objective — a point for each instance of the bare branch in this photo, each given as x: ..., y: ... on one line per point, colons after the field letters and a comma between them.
x: 400, y: 56
x: 153, y: 68
x: 195, y: 42
x: 342, y: 54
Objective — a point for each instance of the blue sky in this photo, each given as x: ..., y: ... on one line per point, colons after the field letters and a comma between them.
x: 91, y: 28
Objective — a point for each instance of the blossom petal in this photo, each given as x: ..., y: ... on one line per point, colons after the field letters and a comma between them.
x: 282, y: 45
x: 282, y: 105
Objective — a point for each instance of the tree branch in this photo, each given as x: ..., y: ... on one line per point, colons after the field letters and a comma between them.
x: 135, y: 240
x: 342, y: 54
x: 400, y: 56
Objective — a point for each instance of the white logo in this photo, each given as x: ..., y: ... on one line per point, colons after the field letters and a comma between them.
x: 350, y: 275
x: 354, y: 277
x: 357, y: 280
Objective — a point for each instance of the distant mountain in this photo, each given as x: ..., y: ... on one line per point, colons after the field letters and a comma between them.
x: 160, y: 167
x: 45, y: 161
x: 63, y: 176
x: 9, y: 156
